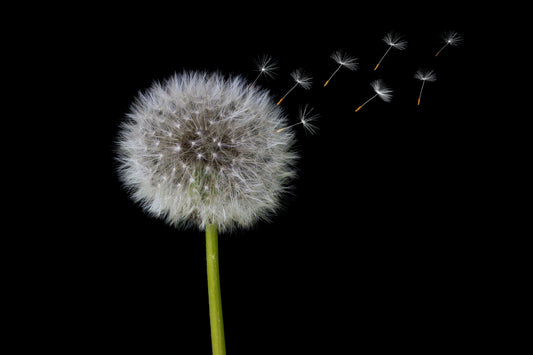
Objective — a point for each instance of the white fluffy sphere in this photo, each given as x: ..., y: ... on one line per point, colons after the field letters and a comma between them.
x: 201, y: 148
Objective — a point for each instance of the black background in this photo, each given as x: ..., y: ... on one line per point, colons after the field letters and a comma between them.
x: 369, y: 254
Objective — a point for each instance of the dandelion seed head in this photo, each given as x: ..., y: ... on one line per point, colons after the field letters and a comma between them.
x: 303, y: 79
x: 383, y: 92
x: 425, y: 75
x: 395, y: 40
x: 452, y: 38
x: 267, y: 66
x: 345, y: 60
x: 307, y: 117
x: 224, y: 163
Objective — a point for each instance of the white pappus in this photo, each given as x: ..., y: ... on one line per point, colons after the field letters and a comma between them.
x: 202, y: 149
x: 343, y: 60
x: 450, y: 38
x: 381, y: 90
x: 393, y: 40
x: 302, y: 79
x: 424, y: 75
x: 265, y: 66
x: 306, y: 117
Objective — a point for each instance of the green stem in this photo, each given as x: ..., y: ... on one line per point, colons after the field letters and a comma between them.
x: 213, y: 286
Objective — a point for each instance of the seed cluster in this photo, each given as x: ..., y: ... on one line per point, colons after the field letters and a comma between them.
x: 203, y: 149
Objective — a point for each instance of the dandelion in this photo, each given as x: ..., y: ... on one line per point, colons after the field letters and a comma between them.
x: 381, y: 90
x: 393, y: 41
x: 265, y: 66
x: 201, y: 150
x: 301, y: 79
x: 305, y: 118
x: 424, y: 75
x: 343, y: 60
x: 451, y: 38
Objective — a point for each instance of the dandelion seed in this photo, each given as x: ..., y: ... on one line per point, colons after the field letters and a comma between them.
x: 343, y: 60
x: 301, y: 79
x: 427, y: 75
x: 393, y: 41
x: 306, y: 118
x: 451, y: 38
x: 381, y: 90
x: 265, y: 66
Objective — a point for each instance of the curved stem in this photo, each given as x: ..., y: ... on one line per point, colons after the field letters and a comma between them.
x: 213, y: 286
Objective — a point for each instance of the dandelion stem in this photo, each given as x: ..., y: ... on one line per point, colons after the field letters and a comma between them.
x: 360, y: 107
x: 420, y: 94
x: 335, y: 72
x: 213, y: 286
x: 288, y: 92
x: 441, y: 49
x: 284, y: 128
x: 258, y: 75
x: 377, y: 65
